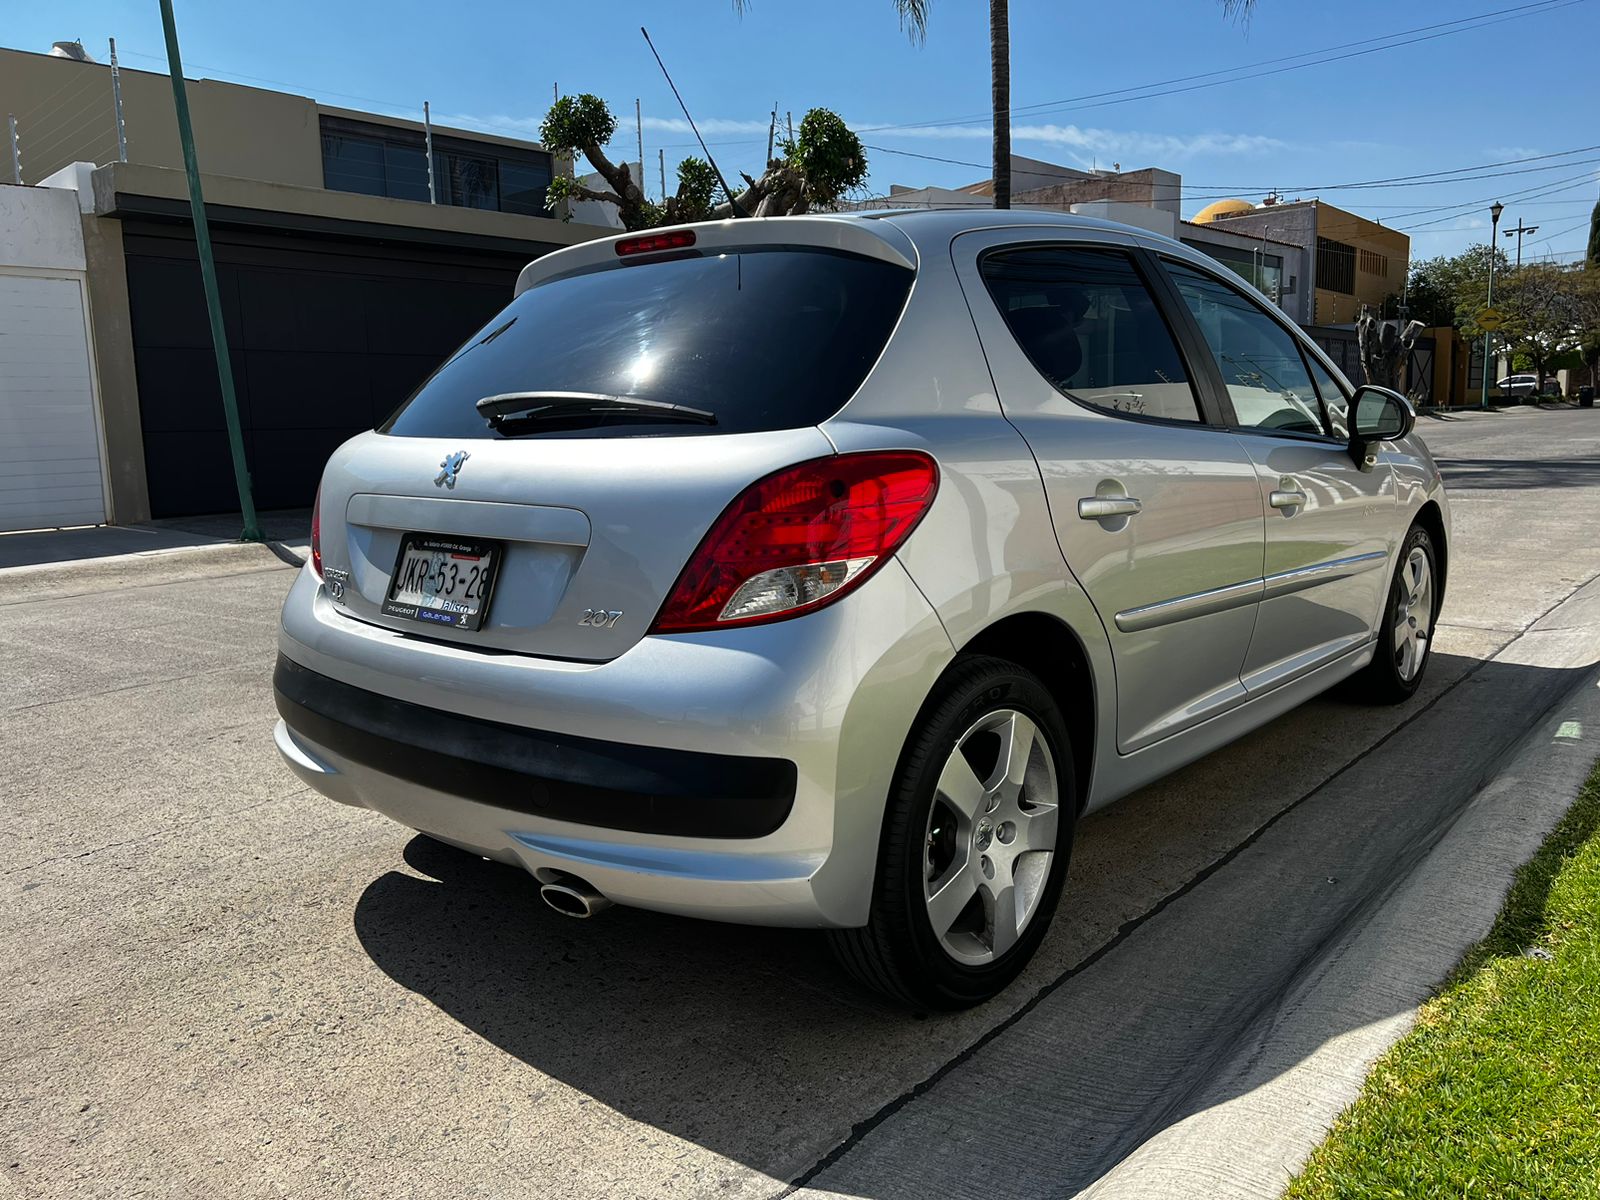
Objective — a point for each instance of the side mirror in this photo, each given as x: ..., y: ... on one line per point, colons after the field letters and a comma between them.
x: 1377, y: 415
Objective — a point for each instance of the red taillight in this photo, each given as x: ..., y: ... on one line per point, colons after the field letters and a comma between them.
x: 652, y: 243
x: 316, y: 535
x: 801, y: 538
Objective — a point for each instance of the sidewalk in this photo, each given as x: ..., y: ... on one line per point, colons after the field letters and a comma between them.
x: 1204, y: 1050
x: 288, y: 530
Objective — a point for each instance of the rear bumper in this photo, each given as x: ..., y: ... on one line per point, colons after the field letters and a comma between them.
x: 641, y: 789
x: 729, y: 881
x: 738, y: 775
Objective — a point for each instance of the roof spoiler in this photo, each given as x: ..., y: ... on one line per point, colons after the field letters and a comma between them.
x: 876, y: 239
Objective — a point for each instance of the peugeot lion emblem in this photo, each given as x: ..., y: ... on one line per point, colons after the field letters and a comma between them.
x: 449, y: 468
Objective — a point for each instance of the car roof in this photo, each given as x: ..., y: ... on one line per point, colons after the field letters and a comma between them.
x: 931, y: 224
x: 892, y: 234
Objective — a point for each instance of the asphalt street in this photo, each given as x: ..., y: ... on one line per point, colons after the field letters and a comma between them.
x: 218, y: 982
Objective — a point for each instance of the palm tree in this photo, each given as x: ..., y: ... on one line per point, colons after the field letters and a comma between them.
x: 1000, y: 92
x: 914, y: 20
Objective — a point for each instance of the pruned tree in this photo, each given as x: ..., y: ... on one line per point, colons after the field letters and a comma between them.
x: 584, y: 124
x: 822, y: 163
x: 1384, y: 346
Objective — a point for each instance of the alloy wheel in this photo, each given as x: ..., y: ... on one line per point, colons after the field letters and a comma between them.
x: 1413, y: 625
x: 991, y: 837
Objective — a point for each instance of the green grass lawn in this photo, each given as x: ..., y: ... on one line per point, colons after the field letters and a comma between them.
x: 1496, y: 1091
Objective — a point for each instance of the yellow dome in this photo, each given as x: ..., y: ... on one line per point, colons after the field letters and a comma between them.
x: 1222, y: 208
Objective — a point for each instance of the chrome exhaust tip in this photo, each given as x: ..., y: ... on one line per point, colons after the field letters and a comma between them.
x: 572, y: 897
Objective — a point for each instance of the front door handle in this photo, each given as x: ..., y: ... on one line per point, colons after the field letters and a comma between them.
x: 1287, y: 499
x: 1100, y: 508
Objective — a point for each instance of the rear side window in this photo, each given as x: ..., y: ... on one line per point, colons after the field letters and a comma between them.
x: 1089, y: 325
x: 762, y: 339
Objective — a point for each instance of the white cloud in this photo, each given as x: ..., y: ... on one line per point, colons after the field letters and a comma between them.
x: 1132, y: 146
x: 714, y: 125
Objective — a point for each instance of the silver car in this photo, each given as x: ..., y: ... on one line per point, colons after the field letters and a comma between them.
x: 823, y: 571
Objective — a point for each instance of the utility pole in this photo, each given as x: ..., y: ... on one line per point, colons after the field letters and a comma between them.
x: 772, y: 130
x: 1518, y: 232
x: 427, y: 143
x: 1495, y: 210
x: 116, y: 104
x: 661, y: 161
x: 638, y: 123
x: 208, y: 277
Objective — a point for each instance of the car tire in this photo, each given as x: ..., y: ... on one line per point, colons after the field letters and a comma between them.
x: 1405, y: 634
x: 1008, y: 842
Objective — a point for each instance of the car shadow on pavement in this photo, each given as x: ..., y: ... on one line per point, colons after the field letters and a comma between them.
x: 1194, y: 907
x: 1519, y: 474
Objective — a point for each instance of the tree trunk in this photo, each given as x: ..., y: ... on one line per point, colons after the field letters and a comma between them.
x: 1000, y: 77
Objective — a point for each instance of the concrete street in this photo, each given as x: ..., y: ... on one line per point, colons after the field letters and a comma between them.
x: 218, y: 982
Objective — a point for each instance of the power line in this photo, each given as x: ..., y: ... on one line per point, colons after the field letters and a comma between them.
x: 1584, y: 224
x: 1214, y: 191
x: 1392, y: 41
x: 1200, y: 190
x: 1577, y: 181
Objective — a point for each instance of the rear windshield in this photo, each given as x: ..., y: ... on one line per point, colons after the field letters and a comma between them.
x: 763, y: 339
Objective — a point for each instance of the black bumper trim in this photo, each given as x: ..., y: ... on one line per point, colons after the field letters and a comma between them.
x: 644, y: 789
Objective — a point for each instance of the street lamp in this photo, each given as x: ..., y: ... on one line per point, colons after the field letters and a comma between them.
x: 1518, y: 233
x: 1495, y: 210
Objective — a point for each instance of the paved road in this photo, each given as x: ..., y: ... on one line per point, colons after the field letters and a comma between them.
x: 218, y: 982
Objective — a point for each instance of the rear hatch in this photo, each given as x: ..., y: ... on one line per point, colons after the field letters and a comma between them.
x: 589, y: 435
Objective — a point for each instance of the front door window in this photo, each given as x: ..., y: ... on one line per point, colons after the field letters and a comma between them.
x: 1261, y: 364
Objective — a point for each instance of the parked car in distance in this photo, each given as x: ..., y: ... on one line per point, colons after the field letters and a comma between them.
x: 824, y: 571
x: 1518, y: 385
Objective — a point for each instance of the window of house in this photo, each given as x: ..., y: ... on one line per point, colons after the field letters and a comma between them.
x: 467, y: 180
x: 1089, y: 325
x: 1373, y: 263
x: 1336, y: 266
x: 1260, y: 360
x: 381, y: 160
x: 353, y: 164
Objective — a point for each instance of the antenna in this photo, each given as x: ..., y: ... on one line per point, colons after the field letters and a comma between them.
x: 737, y: 210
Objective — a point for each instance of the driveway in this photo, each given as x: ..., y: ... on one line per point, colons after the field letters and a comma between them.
x: 218, y: 982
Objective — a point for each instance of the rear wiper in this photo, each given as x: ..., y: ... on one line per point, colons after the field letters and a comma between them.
x: 516, y: 411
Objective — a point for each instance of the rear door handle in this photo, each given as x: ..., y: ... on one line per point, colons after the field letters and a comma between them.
x: 1287, y: 499
x: 1099, y: 508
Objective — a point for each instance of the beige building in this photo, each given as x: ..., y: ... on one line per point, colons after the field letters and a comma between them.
x: 1356, y: 261
x: 343, y: 283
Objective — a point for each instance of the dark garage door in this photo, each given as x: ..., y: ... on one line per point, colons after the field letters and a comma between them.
x: 327, y: 336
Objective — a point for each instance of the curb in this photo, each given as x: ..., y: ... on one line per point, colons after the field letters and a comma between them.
x: 177, y: 564
x: 1253, y: 1144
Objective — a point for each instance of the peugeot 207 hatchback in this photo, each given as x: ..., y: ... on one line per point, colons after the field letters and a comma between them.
x: 823, y: 571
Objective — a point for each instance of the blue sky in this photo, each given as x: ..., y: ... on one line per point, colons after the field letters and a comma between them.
x: 1495, y: 86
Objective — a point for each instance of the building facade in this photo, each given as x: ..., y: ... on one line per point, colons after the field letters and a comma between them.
x: 1356, y: 262
x: 1319, y: 263
x: 342, y: 285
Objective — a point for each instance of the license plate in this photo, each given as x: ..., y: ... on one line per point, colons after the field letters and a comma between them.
x: 442, y: 580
